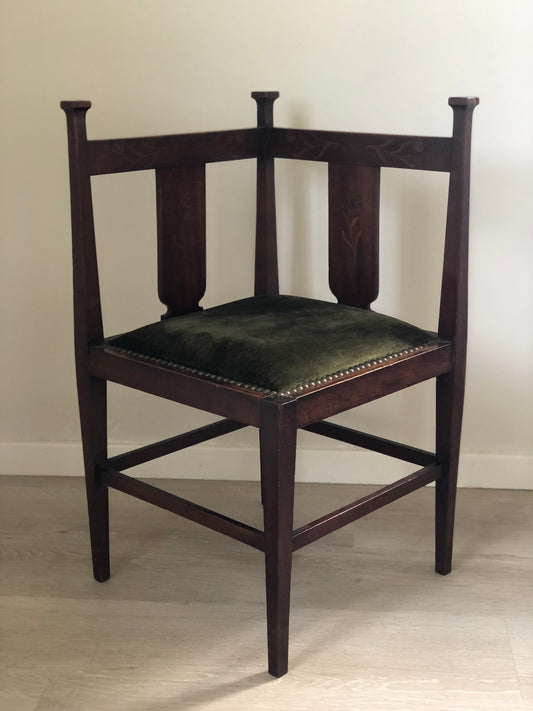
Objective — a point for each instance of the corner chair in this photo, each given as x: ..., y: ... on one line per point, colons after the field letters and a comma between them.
x: 275, y: 362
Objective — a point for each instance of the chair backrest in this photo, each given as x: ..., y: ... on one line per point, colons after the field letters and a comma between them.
x: 354, y: 163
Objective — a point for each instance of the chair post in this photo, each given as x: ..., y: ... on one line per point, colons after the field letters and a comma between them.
x: 453, y: 326
x: 278, y: 454
x: 266, y: 255
x: 88, y: 330
x: 87, y: 310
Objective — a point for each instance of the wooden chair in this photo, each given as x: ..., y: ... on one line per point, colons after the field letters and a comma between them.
x: 278, y: 363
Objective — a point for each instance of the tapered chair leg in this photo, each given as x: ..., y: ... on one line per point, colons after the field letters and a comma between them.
x: 450, y: 389
x: 93, y: 417
x: 278, y: 453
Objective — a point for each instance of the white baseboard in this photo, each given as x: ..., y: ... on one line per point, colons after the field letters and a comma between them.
x: 210, y: 461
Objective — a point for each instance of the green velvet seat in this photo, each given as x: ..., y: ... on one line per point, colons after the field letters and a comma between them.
x: 275, y: 343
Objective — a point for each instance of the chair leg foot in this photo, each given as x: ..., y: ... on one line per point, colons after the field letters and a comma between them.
x: 278, y: 668
x: 444, y: 525
x: 443, y: 570
x: 278, y: 453
x: 450, y: 389
x: 278, y: 581
x: 443, y: 564
x: 98, y: 507
x: 445, y: 496
x: 93, y: 417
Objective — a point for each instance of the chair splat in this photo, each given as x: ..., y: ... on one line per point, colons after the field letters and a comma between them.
x: 181, y: 247
x: 354, y: 233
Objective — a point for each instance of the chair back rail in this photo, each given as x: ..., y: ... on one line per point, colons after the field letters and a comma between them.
x: 120, y: 155
x: 370, y: 149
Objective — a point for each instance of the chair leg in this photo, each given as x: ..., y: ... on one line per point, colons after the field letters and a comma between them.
x: 278, y: 454
x: 93, y: 418
x: 450, y: 396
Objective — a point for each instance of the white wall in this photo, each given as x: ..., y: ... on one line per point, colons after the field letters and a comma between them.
x: 163, y: 66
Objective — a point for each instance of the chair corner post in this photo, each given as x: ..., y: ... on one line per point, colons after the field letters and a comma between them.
x: 266, y: 250
x: 88, y: 326
x: 453, y: 321
x: 453, y: 305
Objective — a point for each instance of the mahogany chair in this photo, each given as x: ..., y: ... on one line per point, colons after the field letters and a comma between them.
x: 278, y: 363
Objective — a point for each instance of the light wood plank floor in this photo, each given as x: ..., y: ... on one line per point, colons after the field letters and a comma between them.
x: 181, y: 623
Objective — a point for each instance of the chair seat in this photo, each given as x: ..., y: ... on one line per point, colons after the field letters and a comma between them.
x: 278, y: 344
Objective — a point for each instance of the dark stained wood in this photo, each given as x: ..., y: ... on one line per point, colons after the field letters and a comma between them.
x: 278, y: 457
x: 266, y: 250
x: 354, y: 233
x: 88, y: 330
x: 454, y: 295
x: 449, y: 415
x: 350, y: 513
x: 88, y: 327
x: 181, y: 250
x: 453, y: 325
x: 375, y: 444
x: 175, y: 504
x: 370, y: 149
x: 222, y: 399
x: 384, y: 379
x: 265, y: 107
x: 355, y: 160
x: 119, y: 155
x: 92, y: 395
x: 172, y: 444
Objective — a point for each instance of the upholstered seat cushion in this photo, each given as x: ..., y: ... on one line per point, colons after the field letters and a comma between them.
x: 276, y: 343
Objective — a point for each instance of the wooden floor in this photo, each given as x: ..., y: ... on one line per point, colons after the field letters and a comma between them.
x: 181, y: 623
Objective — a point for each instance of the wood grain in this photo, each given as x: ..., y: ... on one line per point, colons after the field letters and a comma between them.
x: 120, y: 155
x: 370, y: 149
x: 181, y: 243
x: 354, y: 233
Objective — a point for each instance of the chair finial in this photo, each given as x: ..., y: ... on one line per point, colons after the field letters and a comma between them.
x: 265, y: 106
x: 73, y: 105
x: 463, y: 101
